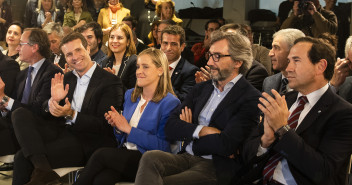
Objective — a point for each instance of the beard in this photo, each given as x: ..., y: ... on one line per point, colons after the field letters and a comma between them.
x: 222, y: 74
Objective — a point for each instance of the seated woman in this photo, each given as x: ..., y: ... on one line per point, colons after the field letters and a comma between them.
x: 165, y: 10
x: 121, y: 59
x: 140, y: 128
x: 13, y: 37
x: 112, y: 14
x: 45, y: 13
x: 77, y: 15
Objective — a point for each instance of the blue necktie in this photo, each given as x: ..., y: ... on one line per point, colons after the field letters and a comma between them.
x: 27, y: 88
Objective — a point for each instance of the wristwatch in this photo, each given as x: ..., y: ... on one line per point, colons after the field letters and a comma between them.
x: 4, y: 100
x: 70, y: 116
x: 282, y: 131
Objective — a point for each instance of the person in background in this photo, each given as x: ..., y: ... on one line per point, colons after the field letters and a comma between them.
x: 76, y: 16
x: 122, y: 57
x: 284, y: 9
x: 111, y: 15
x: 55, y: 35
x: 45, y: 13
x: 31, y: 6
x: 94, y: 36
x: 5, y: 18
x: 141, y: 126
x: 13, y: 37
x: 95, y: 8
x: 154, y: 34
x: 132, y: 23
x: 165, y: 10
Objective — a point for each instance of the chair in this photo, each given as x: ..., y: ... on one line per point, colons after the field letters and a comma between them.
x: 71, y: 171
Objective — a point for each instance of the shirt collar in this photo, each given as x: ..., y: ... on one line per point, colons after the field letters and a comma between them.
x: 89, y: 73
x: 38, y: 64
x: 174, y: 64
x: 229, y: 84
x: 314, y: 96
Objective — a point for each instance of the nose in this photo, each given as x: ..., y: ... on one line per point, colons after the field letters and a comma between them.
x: 271, y: 53
x: 290, y: 67
x: 210, y: 61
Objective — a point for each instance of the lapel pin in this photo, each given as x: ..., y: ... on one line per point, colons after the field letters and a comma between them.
x: 319, y: 111
x: 176, y: 73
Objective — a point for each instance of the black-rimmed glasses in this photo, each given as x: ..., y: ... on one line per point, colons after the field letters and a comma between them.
x: 216, y: 57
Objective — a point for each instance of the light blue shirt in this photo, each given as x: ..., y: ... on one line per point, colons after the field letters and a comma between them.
x: 205, y: 115
x: 80, y: 91
x: 35, y: 70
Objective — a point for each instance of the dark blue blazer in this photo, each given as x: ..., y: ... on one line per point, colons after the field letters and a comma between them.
x: 149, y: 134
x: 235, y: 116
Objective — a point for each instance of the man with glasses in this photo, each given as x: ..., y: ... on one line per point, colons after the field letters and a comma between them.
x: 213, y: 121
x: 32, y: 86
x: 181, y: 71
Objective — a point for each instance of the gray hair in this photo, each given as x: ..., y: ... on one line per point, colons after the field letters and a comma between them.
x: 289, y: 35
x: 348, y: 46
x: 54, y: 27
x: 239, y: 48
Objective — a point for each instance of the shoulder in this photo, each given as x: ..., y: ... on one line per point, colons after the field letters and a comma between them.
x: 187, y: 66
x: 50, y: 67
x: 125, y: 10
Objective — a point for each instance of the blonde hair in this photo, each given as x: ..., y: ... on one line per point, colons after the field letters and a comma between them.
x: 53, y: 6
x: 164, y: 85
x: 131, y: 48
x: 159, y: 4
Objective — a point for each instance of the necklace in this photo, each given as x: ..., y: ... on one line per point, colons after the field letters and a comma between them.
x: 151, y: 21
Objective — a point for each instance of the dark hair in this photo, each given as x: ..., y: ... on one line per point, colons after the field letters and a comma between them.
x: 73, y: 36
x: 175, y: 30
x: 332, y: 39
x: 211, y: 21
x: 321, y: 49
x: 221, y: 19
x: 39, y: 36
x: 132, y: 20
x: 84, y: 5
x: 168, y: 22
x: 19, y: 24
x: 98, y: 32
x: 234, y: 26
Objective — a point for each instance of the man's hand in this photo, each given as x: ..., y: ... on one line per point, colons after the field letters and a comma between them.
x: 2, y: 89
x: 60, y: 111
x: 58, y: 92
x: 203, y: 75
x: 186, y: 115
x: 275, y: 110
x: 268, y: 137
x: 208, y: 130
x: 117, y: 120
x: 108, y: 69
x: 341, y: 71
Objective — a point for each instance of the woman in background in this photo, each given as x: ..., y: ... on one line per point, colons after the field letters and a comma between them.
x: 165, y: 10
x: 122, y: 57
x: 112, y: 14
x: 141, y: 126
x: 45, y: 13
x: 77, y: 15
x: 13, y: 37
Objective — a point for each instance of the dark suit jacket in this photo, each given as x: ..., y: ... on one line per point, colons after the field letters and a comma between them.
x: 9, y: 69
x: 319, y: 151
x: 235, y: 116
x: 127, y: 71
x: 91, y: 128
x: 272, y: 82
x: 256, y: 75
x: 40, y: 88
x: 62, y: 60
x: 183, y: 78
x: 345, y: 90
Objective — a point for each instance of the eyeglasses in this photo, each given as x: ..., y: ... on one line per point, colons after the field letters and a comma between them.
x: 216, y: 57
x: 24, y: 43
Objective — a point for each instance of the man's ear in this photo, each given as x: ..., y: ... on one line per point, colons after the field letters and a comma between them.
x: 35, y: 48
x: 321, y: 66
x: 183, y: 46
x: 99, y: 41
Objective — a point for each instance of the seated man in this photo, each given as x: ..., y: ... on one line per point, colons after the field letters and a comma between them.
x: 313, y: 144
x: 77, y: 126
x: 213, y: 121
x: 55, y: 35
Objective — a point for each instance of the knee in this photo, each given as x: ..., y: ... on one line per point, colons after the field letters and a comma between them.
x: 151, y: 158
x: 17, y: 114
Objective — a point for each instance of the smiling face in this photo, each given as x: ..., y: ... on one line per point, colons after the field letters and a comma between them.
x: 77, y: 56
x: 77, y: 4
x: 118, y: 41
x: 148, y: 75
x: 171, y: 46
x: 92, y: 40
x: 13, y: 35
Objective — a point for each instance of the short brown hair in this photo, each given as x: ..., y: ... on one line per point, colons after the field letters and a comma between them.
x: 321, y: 49
x: 39, y: 36
x: 73, y: 36
x: 175, y: 30
x: 164, y: 86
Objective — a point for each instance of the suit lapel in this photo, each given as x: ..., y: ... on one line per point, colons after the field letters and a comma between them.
x: 318, y: 109
x: 37, y: 79
x: 177, y: 70
x: 72, y: 82
x: 93, y: 84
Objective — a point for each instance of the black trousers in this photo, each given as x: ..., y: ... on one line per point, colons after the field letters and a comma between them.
x: 8, y: 141
x: 110, y: 165
x: 38, y: 136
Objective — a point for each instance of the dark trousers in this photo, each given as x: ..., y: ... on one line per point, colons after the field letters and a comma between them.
x: 38, y: 136
x: 162, y: 168
x: 8, y: 141
x: 110, y: 165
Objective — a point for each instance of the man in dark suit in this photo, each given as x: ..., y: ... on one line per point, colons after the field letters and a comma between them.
x: 55, y: 35
x: 213, y: 121
x: 311, y: 141
x: 78, y: 103
x: 9, y: 69
x: 32, y: 86
x: 283, y: 40
x: 181, y: 71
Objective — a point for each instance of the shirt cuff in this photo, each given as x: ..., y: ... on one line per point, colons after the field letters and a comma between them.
x: 333, y: 88
x: 196, y: 132
x: 75, y: 116
x: 9, y: 104
x: 261, y: 150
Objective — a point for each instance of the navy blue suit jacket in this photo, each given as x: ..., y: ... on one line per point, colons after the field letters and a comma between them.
x: 235, y: 117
